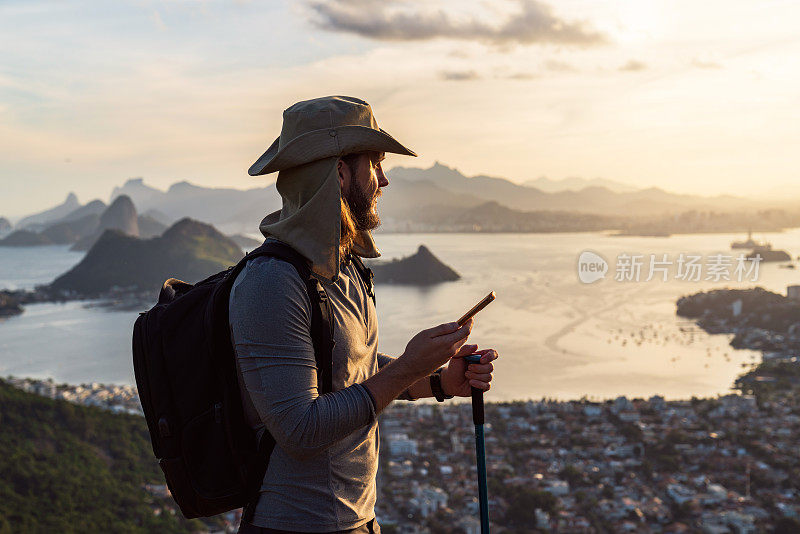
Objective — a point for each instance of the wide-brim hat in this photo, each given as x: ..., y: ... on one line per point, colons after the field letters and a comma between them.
x: 325, y: 127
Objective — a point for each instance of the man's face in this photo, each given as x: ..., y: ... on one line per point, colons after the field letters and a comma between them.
x: 364, y: 188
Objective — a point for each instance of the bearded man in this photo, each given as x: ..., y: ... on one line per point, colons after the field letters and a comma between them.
x: 321, y: 473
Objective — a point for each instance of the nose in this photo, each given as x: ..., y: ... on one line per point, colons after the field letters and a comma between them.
x: 382, y: 180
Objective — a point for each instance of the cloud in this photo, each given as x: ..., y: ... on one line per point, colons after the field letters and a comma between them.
x: 559, y: 66
x: 522, y: 76
x: 460, y: 54
x: 459, y: 76
x: 705, y: 64
x: 633, y: 66
x: 533, y: 23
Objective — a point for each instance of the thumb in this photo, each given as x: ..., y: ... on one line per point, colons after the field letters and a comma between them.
x: 443, y: 329
x: 465, y: 350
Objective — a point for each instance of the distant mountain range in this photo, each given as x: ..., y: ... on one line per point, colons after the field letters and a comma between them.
x: 82, y: 226
x: 594, y: 199
x: 229, y: 210
x: 576, y: 183
x: 494, y: 217
x: 439, y: 198
x: 52, y: 214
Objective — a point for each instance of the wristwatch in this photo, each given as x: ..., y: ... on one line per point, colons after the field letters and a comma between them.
x: 436, y: 386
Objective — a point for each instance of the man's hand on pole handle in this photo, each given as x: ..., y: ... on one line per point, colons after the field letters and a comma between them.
x: 459, y: 377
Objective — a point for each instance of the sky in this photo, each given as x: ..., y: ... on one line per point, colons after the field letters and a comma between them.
x: 693, y: 97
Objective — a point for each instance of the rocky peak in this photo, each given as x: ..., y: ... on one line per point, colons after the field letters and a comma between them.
x: 120, y: 215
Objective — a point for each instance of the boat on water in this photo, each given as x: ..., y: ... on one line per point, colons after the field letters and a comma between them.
x: 766, y: 253
x: 751, y: 243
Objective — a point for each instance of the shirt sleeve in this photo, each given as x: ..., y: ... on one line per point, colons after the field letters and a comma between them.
x: 385, y: 359
x: 270, y: 319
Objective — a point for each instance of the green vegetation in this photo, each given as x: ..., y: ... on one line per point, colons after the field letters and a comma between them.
x: 68, y: 468
x: 769, y: 379
x: 189, y: 250
x: 522, y: 504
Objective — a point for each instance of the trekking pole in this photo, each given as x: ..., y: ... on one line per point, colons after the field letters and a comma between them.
x: 480, y: 449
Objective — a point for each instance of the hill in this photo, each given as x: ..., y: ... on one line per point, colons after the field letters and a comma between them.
x: 9, y: 305
x: 120, y: 215
x: 71, y: 230
x: 68, y: 468
x: 150, y: 226
x: 421, y: 268
x: 69, y: 205
x: 95, y: 207
x: 24, y: 238
x: 188, y: 250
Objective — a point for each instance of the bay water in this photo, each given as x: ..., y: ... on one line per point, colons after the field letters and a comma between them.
x: 557, y: 337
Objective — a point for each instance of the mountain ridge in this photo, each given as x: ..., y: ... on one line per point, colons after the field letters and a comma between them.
x: 189, y: 250
x: 414, y: 192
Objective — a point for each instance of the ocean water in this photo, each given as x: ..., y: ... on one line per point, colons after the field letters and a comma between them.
x: 25, y: 267
x: 557, y: 337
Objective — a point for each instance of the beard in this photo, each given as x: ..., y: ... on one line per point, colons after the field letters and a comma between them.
x: 363, y: 206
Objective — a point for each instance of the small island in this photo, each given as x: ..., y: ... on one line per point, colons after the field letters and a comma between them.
x: 421, y: 268
x: 9, y: 305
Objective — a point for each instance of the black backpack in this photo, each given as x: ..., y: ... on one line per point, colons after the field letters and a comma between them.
x: 186, y: 375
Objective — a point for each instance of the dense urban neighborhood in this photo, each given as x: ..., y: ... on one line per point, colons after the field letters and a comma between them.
x: 116, y: 398
x: 724, y: 465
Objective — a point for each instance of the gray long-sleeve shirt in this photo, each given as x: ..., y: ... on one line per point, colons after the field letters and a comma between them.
x: 321, y: 475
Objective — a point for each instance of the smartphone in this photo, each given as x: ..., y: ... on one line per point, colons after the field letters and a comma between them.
x: 478, y: 307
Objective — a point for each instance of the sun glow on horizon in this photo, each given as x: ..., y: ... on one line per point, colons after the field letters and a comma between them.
x: 692, y: 98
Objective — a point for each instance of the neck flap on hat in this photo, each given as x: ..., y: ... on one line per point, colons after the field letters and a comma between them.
x: 310, y: 220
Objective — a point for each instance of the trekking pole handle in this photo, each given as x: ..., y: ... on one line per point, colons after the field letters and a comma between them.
x: 477, y: 394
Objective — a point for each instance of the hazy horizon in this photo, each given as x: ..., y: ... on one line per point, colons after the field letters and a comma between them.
x: 269, y: 180
x: 691, y: 98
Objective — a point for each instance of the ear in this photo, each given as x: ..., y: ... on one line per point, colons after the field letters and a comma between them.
x: 344, y: 173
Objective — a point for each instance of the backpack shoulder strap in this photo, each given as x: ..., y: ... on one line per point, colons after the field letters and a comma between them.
x: 321, y: 316
x: 321, y: 336
x: 366, y: 275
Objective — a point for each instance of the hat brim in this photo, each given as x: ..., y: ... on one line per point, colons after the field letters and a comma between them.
x: 319, y: 144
